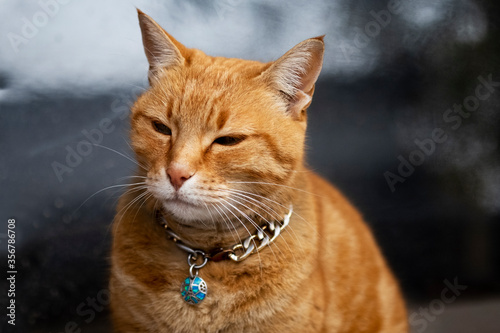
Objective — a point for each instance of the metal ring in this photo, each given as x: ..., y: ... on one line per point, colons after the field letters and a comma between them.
x: 195, y: 257
x: 191, y: 272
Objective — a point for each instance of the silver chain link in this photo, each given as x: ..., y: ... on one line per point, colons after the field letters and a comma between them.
x: 248, y: 246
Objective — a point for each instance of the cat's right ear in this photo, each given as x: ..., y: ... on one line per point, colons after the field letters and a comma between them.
x: 161, y: 49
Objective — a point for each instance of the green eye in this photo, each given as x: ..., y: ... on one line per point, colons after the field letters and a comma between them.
x: 229, y: 140
x: 161, y: 128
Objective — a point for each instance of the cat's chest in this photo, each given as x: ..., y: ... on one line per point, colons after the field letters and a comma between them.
x: 232, y: 290
x: 229, y: 303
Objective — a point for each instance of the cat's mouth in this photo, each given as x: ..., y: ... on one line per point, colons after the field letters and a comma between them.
x: 184, y: 210
x: 184, y: 207
x: 181, y: 202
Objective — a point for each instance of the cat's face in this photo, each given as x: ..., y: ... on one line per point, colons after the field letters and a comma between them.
x: 213, y: 134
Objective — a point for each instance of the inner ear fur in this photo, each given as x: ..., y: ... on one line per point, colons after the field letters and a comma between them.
x: 162, y: 50
x: 295, y: 73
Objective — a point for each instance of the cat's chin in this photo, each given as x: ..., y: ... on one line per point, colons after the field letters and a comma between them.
x: 186, y: 212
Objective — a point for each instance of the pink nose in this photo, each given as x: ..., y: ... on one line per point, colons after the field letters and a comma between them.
x: 178, y: 174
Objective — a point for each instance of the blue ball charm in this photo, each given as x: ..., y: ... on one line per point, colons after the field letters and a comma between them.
x: 194, y: 290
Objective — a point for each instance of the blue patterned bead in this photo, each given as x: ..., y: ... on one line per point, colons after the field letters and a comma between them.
x: 194, y: 290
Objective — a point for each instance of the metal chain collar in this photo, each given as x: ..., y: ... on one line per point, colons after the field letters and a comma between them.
x: 265, y: 235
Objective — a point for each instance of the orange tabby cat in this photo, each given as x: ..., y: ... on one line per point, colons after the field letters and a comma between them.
x: 220, y: 144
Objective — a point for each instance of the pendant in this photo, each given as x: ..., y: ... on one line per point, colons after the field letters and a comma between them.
x: 194, y: 290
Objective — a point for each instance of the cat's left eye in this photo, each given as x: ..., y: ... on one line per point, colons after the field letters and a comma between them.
x: 229, y: 140
x: 161, y: 128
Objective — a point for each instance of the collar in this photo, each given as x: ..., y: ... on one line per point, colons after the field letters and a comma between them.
x: 265, y: 235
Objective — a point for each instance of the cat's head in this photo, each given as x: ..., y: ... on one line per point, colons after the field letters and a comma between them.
x: 217, y: 135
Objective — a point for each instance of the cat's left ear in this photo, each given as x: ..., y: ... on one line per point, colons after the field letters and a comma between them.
x: 162, y: 50
x: 295, y: 73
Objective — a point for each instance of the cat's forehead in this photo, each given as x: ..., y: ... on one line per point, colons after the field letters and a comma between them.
x: 209, y: 96
x: 215, y: 74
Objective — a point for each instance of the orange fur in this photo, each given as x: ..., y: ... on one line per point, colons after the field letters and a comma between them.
x: 323, y: 274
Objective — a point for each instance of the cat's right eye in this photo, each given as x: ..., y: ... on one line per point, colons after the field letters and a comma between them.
x: 161, y: 128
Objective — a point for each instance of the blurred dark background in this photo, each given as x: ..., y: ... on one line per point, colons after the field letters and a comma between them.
x: 404, y: 121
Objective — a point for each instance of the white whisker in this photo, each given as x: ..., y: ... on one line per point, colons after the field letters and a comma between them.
x: 275, y: 202
x: 227, y: 221
x: 101, y: 190
x: 280, y: 185
x: 209, y: 212
x: 130, y: 177
x: 129, y: 205
x: 146, y: 197
x: 123, y: 155
x: 237, y: 218
x: 255, y: 202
